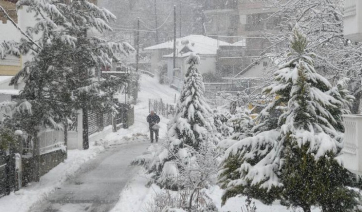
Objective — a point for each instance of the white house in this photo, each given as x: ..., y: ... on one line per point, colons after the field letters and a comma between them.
x: 203, y: 46
x: 352, y: 150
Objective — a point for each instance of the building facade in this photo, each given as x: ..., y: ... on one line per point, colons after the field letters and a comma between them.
x: 256, y: 21
x: 245, y: 23
x: 353, y: 20
x: 9, y: 65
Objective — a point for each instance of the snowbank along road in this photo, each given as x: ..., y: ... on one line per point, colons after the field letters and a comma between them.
x: 97, y: 185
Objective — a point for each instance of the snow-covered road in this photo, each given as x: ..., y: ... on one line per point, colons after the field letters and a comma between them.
x: 97, y: 185
x: 104, y: 167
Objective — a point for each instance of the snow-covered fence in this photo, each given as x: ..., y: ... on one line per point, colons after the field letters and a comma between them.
x: 8, y: 173
x: 161, y: 108
x: 97, y: 121
x: 51, y: 140
x: 99, y: 125
x: 2, y: 177
x: 352, y: 150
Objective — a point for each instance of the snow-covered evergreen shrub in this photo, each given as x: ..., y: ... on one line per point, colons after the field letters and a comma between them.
x: 242, y: 124
x: 223, y: 128
x: 166, y: 200
x: 188, y: 160
x: 191, y: 127
x: 293, y: 157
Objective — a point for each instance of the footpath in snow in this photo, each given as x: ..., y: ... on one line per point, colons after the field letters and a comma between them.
x: 23, y: 199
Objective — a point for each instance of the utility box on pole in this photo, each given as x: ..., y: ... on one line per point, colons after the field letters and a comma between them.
x: 353, y: 20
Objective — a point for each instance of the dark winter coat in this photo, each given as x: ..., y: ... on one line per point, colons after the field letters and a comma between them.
x: 153, y: 119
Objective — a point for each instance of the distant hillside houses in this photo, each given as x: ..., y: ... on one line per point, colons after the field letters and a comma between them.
x: 162, y: 55
x: 218, y: 59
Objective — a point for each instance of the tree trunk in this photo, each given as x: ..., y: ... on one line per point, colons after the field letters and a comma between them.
x: 190, y: 201
x: 36, y: 158
x: 306, y: 208
x: 66, y: 138
x: 356, y: 103
x: 85, y: 129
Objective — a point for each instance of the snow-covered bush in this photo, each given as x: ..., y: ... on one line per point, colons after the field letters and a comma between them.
x: 8, y: 139
x: 223, y: 128
x: 293, y: 157
x: 166, y: 200
x: 241, y: 124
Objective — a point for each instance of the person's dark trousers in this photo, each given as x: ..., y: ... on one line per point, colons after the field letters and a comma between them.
x: 151, y: 134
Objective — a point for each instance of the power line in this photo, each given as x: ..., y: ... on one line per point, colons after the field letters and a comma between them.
x: 169, y: 15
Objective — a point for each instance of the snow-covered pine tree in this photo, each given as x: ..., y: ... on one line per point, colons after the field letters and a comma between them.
x: 312, y: 138
x: 191, y: 127
x: 61, y: 76
x: 296, y: 161
x: 336, y: 55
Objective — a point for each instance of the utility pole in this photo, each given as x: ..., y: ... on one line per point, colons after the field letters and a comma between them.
x: 180, y: 19
x: 174, y: 37
x: 138, y: 44
x: 156, y: 21
x: 85, y: 108
x: 36, y: 157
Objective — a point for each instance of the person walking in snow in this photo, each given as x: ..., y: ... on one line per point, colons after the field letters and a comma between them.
x: 153, y: 119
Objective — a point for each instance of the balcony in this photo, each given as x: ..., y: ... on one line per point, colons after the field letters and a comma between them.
x: 353, y: 20
x: 351, y: 153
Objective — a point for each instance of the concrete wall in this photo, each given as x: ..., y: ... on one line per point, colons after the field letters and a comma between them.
x: 207, y: 64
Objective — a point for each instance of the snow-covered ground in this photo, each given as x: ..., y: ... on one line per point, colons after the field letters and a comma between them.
x: 137, y: 197
x: 23, y: 199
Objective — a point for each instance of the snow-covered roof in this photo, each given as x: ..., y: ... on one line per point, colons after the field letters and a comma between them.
x: 239, y: 43
x: 199, y: 44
